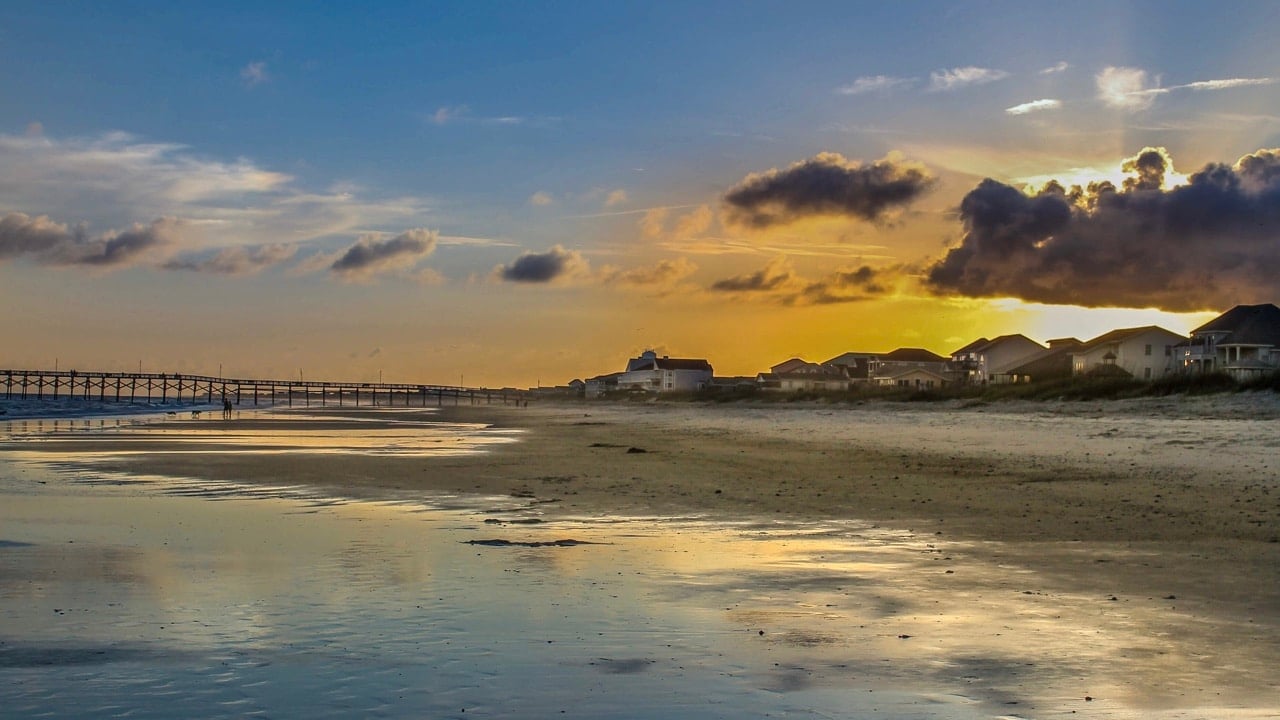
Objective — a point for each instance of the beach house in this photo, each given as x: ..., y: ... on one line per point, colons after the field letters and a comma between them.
x: 1145, y: 353
x: 665, y: 374
x: 975, y: 363
x: 1052, y: 363
x: 796, y: 375
x: 1243, y: 342
x: 896, y: 368
x: 855, y: 365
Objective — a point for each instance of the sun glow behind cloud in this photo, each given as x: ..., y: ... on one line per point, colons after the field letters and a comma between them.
x: 1046, y: 322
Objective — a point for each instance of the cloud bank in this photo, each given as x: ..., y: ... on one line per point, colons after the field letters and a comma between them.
x: 237, y: 260
x: 826, y: 185
x: 51, y: 243
x: 778, y: 282
x: 1209, y: 244
x: 116, y: 178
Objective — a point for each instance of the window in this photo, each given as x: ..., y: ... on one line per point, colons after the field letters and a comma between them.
x: 1146, y: 373
x: 1168, y: 351
x: 1147, y: 351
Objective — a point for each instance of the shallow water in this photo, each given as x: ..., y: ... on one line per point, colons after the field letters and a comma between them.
x: 143, y: 597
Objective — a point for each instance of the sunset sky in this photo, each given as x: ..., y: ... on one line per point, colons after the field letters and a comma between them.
x: 525, y: 193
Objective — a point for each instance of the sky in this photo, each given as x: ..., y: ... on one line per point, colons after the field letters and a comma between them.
x: 518, y: 194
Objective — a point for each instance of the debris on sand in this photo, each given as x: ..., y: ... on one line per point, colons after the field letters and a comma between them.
x: 534, y: 544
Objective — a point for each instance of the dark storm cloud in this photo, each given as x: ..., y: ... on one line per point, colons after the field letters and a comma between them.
x: 779, y: 283
x: 846, y: 286
x: 236, y: 260
x: 370, y: 255
x: 775, y: 276
x: 544, y: 267
x: 826, y: 184
x: 51, y: 243
x: 1209, y: 244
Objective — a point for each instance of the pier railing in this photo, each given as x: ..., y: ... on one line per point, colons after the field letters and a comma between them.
x: 204, y: 389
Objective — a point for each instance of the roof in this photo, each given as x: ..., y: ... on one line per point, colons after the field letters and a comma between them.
x: 899, y: 372
x: 972, y: 347
x: 1041, y: 360
x: 852, y: 358
x: 1118, y: 336
x: 605, y: 378
x: 913, y: 355
x: 983, y: 345
x: 1247, y: 325
x: 787, y: 365
x: 680, y: 364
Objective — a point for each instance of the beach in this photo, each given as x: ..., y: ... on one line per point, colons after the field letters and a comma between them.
x: 1153, y: 523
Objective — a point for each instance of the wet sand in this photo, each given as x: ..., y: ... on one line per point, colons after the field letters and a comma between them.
x: 1139, y: 508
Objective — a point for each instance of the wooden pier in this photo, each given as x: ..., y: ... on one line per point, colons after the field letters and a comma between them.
x: 202, y: 389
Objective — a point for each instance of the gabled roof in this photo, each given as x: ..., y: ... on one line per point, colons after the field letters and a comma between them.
x: 899, y: 372
x: 913, y: 355
x: 1118, y: 336
x: 1247, y: 325
x: 787, y: 365
x: 972, y: 347
x: 983, y: 344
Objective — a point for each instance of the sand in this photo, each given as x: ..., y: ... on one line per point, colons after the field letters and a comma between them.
x: 1192, y: 480
x: 1138, y: 507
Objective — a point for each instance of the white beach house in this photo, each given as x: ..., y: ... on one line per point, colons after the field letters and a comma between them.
x: 1145, y: 353
x: 665, y: 374
x: 976, y: 362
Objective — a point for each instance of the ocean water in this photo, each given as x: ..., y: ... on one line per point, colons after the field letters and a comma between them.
x: 153, y: 597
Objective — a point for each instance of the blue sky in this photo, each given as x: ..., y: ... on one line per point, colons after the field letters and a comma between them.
x: 393, y: 165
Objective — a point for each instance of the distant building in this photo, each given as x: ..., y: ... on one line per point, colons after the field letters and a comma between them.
x: 1145, y: 353
x: 915, y: 378
x: 796, y: 375
x: 1243, y: 342
x: 600, y: 385
x: 856, y: 365
x: 1053, y: 363
x: 975, y: 363
x: 887, y: 369
x: 665, y: 374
